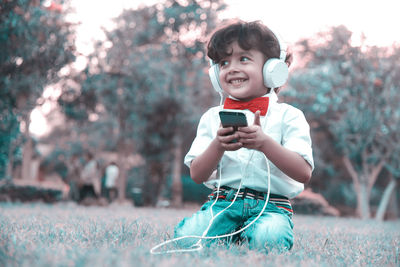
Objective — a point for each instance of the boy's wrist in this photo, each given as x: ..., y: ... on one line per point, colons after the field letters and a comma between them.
x: 265, y: 144
x: 218, y: 146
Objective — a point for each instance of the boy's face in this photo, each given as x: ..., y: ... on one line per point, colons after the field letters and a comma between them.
x: 241, y: 73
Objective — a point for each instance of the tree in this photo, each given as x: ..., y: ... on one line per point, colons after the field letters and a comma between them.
x: 142, y: 77
x: 350, y: 92
x: 392, y: 166
x: 9, y: 132
x: 35, y: 43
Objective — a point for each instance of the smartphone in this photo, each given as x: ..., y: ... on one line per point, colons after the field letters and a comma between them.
x: 233, y: 119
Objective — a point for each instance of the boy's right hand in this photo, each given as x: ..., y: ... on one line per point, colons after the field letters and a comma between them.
x: 225, y: 138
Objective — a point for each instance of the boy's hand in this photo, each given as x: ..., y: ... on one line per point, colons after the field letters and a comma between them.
x: 252, y: 136
x: 226, y: 138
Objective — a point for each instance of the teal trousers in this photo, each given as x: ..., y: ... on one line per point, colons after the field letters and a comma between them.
x: 273, y: 230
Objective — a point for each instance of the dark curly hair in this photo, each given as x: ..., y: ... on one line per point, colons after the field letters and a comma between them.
x: 249, y: 35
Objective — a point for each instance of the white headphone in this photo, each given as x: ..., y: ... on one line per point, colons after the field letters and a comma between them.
x: 275, y: 70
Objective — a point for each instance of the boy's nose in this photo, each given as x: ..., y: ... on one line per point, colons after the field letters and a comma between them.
x: 233, y: 68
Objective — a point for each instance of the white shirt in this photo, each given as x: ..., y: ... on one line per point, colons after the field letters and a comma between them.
x: 89, y: 173
x: 112, y: 173
x: 284, y: 123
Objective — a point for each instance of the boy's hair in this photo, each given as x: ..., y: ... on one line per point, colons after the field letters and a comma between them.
x: 249, y: 35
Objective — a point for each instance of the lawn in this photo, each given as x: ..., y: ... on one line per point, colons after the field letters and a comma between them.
x: 66, y: 234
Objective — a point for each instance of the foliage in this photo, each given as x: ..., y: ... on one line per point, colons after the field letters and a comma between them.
x: 142, y: 78
x: 35, y: 43
x: 56, y: 162
x: 9, y: 131
x: 392, y: 165
x: 350, y: 93
x: 64, y: 235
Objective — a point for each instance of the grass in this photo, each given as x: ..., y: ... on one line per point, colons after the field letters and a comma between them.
x: 70, y: 235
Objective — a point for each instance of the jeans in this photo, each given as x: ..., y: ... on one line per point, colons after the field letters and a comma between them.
x: 272, y: 230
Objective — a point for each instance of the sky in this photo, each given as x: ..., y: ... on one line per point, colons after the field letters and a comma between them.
x: 292, y: 19
x: 295, y: 19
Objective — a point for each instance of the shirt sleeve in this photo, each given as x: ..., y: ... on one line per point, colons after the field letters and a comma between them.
x: 203, y: 138
x: 296, y: 134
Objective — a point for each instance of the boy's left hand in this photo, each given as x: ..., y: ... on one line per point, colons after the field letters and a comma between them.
x: 252, y: 136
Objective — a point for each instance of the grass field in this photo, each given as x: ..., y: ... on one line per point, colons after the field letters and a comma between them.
x: 70, y: 235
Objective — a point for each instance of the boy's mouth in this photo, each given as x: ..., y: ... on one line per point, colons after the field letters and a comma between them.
x: 236, y: 81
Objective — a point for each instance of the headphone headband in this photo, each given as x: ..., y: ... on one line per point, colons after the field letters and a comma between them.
x: 282, y: 46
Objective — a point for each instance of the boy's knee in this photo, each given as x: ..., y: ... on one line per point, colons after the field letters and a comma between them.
x: 280, y: 241
x: 181, y: 231
x: 185, y: 228
x: 271, y: 235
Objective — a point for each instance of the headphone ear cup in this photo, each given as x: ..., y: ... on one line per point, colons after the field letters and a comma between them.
x: 213, y: 72
x: 275, y: 73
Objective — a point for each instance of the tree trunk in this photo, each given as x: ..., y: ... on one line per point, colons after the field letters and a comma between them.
x: 380, y: 213
x: 362, y: 185
x: 176, y: 200
x: 153, y: 183
x: 122, y: 175
x: 10, y: 163
x: 27, y: 152
x: 158, y: 183
x: 393, y: 209
x: 363, y: 209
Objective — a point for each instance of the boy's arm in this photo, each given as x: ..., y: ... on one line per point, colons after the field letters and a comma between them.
x: 204, y: 165
x: 289, y: 162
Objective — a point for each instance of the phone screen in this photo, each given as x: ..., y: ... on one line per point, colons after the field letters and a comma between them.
x: 232, y: 118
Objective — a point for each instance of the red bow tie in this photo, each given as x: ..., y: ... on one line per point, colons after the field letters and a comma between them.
x: 259, y: 103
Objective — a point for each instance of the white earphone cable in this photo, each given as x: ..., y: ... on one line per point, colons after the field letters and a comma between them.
x: 197, y: 246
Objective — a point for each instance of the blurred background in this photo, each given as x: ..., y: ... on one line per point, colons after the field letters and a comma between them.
x: 100, y: 100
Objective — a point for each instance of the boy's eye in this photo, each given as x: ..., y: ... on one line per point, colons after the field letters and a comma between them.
x: 244, y: 58
x: 223, y: 63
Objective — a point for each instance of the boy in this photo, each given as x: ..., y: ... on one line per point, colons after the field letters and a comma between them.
x: 278, y: 132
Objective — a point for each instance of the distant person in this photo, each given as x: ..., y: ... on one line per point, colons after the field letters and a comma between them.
x: 90, y: 179
x: 74, y: 173
x: 249, y: 66
x: 111, y: 177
